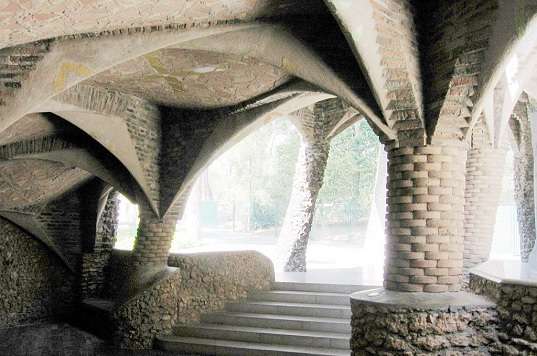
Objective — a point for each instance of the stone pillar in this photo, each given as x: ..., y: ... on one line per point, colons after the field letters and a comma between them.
x: 154, y: 238
x: 307, y: 182
x: 316, y: 125
x: 92, y: 275
x: 523, y: 176
x: 484, y: 175
x: 424, y: 250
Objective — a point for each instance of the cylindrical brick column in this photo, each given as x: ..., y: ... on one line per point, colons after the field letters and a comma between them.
x: 484, y: 173
x: 154, y: 237
x: 424, y: 249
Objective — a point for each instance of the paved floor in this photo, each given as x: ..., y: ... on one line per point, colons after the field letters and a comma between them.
x: 60, y: 339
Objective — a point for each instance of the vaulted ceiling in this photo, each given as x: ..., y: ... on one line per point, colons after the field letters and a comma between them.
x: 145, y: 94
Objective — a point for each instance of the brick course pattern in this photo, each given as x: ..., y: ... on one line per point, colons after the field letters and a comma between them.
x: 154, y: 237
x: 424, y: 250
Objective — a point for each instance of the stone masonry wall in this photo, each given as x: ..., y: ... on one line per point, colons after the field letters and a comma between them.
x: 200, y: 283
x: 35, y: 284
x: 424, y: 251
x: 523, y: 176
x: 61, y: 219
x: 517, y: 313
x: 377, y: 330
x: 152, y: 312
x: 209, y: 280
x: 92, y: 279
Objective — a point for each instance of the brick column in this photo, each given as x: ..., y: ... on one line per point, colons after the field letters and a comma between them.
x: 424, y: 249
x: 484, y: 173
x: 154, y: 237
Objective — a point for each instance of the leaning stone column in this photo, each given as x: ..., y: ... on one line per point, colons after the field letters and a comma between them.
x: 317, y: 125
x: 523, y: 177
x: 484, y: 173
x: 424, y: 251
x: 307, y: 182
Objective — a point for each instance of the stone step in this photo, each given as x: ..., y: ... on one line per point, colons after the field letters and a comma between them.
x: 266, y: 335
x: 94, y: 316
x: 320, y: 287
x: 301, y: 297
x: 279, y: 321
x: 298, y: 309
x: 225, y: 347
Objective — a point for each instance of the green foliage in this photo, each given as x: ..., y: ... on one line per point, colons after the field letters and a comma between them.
x: 350, y: 175
x: 257, y: 174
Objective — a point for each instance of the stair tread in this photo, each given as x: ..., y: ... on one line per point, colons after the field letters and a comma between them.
x: 102, y: 304
x: 319, y: 287
x: 296, y: 292
x: 291, y: 304
x: 283, y: 317
x: 253, y: 346
x: 345, y: 336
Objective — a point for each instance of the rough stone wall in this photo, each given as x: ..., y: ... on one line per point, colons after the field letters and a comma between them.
x: 61, y: 219
x: 523, y: 177
x: 200, y: 283
x: 209, y: 280
x: 377, y: 330
x: 484, y: 173
x: 424, y: 251
x: 150, y: 313
x: 92, y: 278
x: 35, y: 284
x: 517, y: 313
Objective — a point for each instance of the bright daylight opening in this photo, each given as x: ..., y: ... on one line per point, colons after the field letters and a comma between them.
x: 506, y: 240
x: 239, y: 202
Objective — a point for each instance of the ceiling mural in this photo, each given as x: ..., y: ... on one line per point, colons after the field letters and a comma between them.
x: 192, y: 79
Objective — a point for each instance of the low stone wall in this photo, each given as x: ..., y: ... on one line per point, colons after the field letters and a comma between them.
x: 209, y: 280
x: 517, y: 311
x: 197, y: 283
x: 36, y: 285
x: 149, y: 313
x: 395, y: 323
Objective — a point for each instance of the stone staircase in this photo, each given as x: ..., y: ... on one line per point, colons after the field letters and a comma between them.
x: 291, y: 319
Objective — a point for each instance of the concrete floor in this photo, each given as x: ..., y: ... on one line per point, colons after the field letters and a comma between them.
x: 60, y: 339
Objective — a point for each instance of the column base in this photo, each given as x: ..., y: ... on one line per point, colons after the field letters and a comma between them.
x: 386, y: 322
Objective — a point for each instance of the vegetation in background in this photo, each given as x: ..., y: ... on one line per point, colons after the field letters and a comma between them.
x: 248, y: 188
